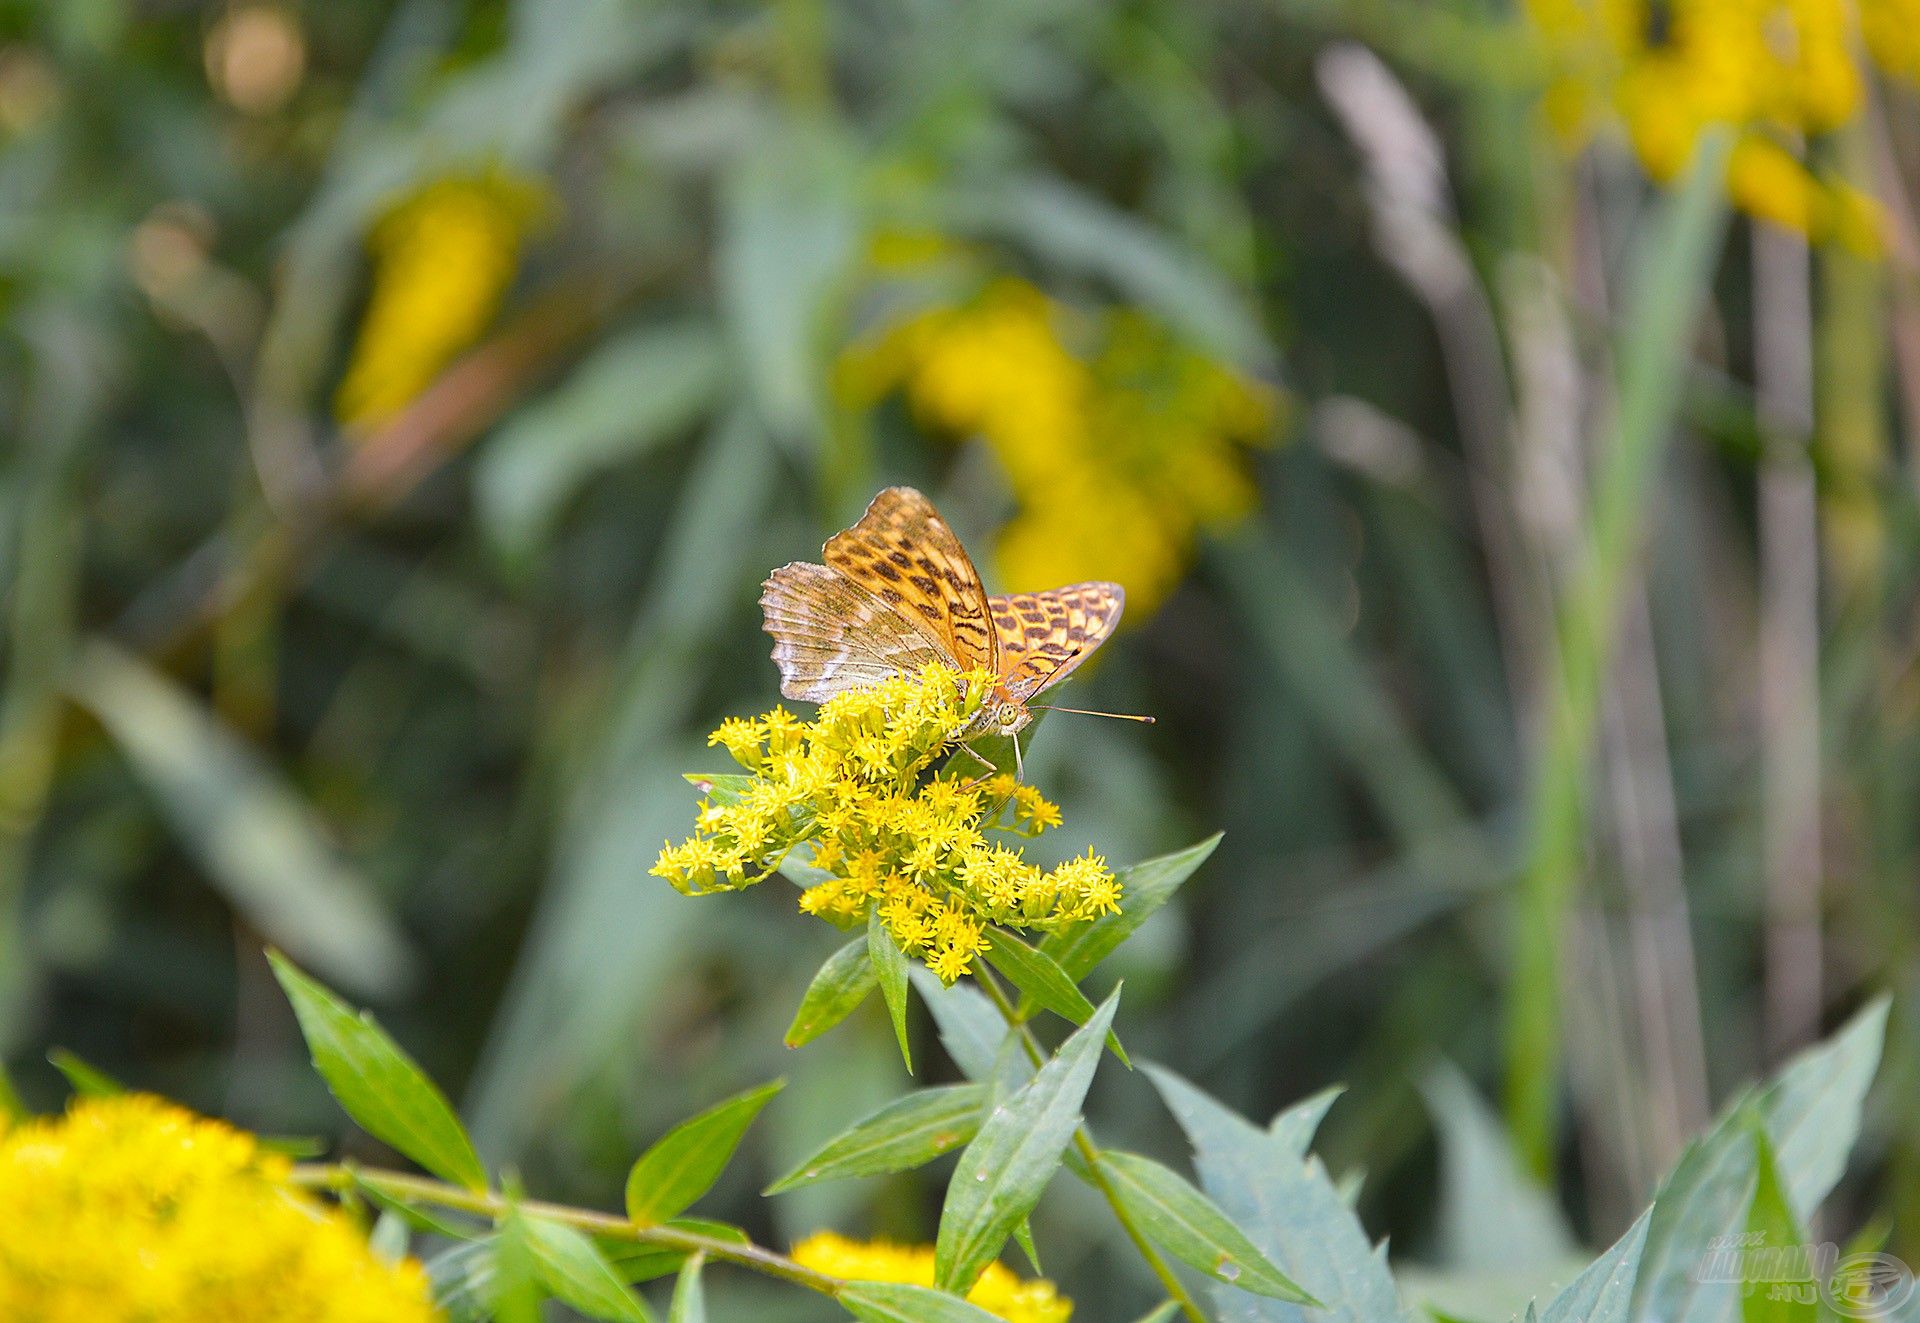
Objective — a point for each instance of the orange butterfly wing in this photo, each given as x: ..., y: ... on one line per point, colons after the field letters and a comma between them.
x: 1043, y: 636
x: 830, y: 635
x: 902, y: 552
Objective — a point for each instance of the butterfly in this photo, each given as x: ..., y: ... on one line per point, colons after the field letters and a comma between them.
x: 898, y: 593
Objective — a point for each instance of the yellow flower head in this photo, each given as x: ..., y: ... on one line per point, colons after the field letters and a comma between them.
x: 852, y: 790
x: 1771, y: 71
x: 442, y: 260
x: 999, y: 1291
x: 1118, y: 442
x: 133, y: 1208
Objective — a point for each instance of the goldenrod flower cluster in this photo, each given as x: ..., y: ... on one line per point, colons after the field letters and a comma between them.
x: 442, y: 261
x: 132, y: 1208
x: 851, y: 786
x: 1773, y: 71
x: 999, y: 1291
x: 1118, y: 441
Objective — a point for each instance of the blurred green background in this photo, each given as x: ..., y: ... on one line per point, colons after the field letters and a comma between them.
x: 403, y: 402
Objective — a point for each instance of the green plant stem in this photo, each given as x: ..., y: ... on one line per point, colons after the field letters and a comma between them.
x: 406, y: 1187
x: 1090, y: 1153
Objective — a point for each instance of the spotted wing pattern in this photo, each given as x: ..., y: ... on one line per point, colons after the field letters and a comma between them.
x: 902, y: 552
x: 830, y: 635
x: 1043, y: 636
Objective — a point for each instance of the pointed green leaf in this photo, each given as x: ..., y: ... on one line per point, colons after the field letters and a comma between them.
x: 1282, y: 1199
x: 1144, y: 888
x: 896, y: 1302
x: 1775, y: 1234
x: 1023, y: 1236
x: 1192, y: 1227
x: 1494, y: 1217
x: 841, y: 985
x: 572, y: 1267
x: 1043, y: 982
x: 890, y: 968
x: 1007, y: 1166
x: 378, y: 1084
x: 971, y: 1030
x: 515, y: 1288
x: 1603, y: 1293
x: 1167, y: 1310
x: 906, y: 1133
x: 689, y: 1296
x: 637, y: 1262
x: 88, y: 1080
x: 689, y: 1158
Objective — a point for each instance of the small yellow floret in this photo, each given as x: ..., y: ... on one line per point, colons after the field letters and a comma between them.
x: 132, y: 1208
x: 999, y: 1291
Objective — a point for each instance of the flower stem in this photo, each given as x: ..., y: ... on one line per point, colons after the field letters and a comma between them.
x: 408, y: 1188
x: 1090, y: 1153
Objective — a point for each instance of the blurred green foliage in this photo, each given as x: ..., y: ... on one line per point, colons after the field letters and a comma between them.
x: 1570, y: 612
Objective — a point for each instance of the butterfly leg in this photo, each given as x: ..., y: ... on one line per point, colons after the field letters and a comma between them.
x: 993, y: 768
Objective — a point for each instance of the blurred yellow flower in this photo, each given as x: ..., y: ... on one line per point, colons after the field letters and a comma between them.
x: 131, y: 1208
x: 849, y: 785
x: 1773, y: 71
x: 999, y: 1291
x: 1116, y: 457
x: 442, y: 260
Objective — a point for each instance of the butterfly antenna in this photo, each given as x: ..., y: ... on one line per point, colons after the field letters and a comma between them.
x: 1085, y: 712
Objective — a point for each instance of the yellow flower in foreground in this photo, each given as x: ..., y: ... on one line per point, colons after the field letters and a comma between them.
x: 998, y: 1291
x: 442, y: 260
x: 1773, y: 71
x: 1119, y: 443
x: 850, y: 786
x: 133, y: 1209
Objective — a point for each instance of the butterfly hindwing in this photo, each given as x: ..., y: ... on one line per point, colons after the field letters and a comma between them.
x: 903, y: 553
x: 830, y: 635
x: 1043, y: 636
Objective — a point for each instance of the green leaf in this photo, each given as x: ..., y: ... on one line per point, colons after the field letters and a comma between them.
x: 1041, y: 980
x: 1775, y: 1235
x: 1023, y: 1236
x: 633, y: 394
x: 1603, y: 1292
x: 906, y: 1133
x: 890, y: 969
x: 1007, y: 1166
x: 422, y: 1217
x: 1811, y: 1114
x: 1167, y: 1309
x: 639, y: 1262
x: 971, y: 1030
x: 572, y: 1267
x: 896, y: 1302
x: 689, y: 1296
x: 1494, y: 1217
x: 515, y: 1288
x: 1144, y: 888
x: 378, y: 1084
x: 1192, y: 1226
x: 1283, y: 1200
x: 841, y: 985
x: 259, y: 842
x: 88, y: 1081
x: 688, y: 1159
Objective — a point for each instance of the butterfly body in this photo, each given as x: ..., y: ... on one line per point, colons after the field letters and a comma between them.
x: 898, y: 593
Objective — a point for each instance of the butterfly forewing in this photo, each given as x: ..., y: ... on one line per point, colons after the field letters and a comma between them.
x: 1043, y: 636
x: 830, y: 635
x: 903, y: 553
